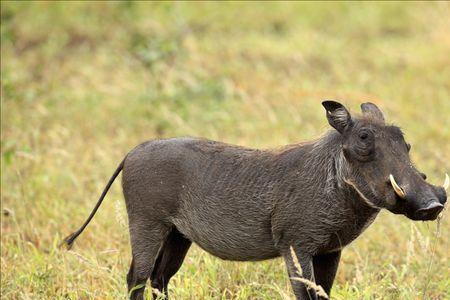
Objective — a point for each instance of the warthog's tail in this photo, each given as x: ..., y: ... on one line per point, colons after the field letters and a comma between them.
x: 68, y: 241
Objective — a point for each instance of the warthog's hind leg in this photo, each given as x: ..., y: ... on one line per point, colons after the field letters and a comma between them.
x: 169, y: 261
x: 146, y: 240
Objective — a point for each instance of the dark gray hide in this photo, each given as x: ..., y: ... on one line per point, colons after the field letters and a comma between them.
x: 247, y: 205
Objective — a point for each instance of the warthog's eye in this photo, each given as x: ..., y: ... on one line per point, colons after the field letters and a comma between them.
x: 363, y: 135
x: 364, y: 144
x: 408, y: 146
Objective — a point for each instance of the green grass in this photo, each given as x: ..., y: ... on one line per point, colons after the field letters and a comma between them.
x: 84, y: 83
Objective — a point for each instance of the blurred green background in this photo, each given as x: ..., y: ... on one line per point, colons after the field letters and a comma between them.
x: 83, y: 83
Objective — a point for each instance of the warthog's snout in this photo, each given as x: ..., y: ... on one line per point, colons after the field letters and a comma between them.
x: 424, y: 203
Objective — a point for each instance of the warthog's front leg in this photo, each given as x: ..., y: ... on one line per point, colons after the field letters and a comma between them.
x: 325, y: 267
x: 300, y: 270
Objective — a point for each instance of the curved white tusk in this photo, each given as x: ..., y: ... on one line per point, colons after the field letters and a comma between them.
x: 398, y: 190
x: 446, y: 182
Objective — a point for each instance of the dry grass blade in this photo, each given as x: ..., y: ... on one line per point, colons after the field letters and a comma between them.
x: 159, y: 295
x: 312, y: 286
x: 135, y: 288
x: 296, y: 262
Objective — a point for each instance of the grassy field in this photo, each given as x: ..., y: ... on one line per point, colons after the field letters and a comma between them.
x: 83, y: 83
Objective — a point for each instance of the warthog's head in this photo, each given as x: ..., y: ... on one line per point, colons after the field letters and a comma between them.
x: 378, y: 167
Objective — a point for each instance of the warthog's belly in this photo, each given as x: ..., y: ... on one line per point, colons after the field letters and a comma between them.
x: 228, y: 237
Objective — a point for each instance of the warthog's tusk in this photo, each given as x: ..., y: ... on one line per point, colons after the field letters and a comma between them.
x: 398, y: 190
x: 446, y: 182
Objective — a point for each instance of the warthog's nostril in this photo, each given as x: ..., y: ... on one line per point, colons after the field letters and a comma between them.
x: 431, y: 211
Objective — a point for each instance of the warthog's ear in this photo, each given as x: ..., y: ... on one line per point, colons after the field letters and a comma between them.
x: 372, y: 111
x: 337, y: 115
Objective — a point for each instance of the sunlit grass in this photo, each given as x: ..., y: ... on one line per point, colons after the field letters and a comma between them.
x: 82, y: 84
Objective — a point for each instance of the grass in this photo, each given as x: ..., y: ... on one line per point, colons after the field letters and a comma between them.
x: 83, y: 83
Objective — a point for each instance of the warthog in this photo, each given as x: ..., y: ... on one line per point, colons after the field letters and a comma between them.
x: 247, y: 205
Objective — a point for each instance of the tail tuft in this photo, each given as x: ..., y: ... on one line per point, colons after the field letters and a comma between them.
x: 69, y: 240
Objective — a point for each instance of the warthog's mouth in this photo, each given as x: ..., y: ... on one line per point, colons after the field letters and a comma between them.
x: 429, y: 213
